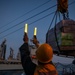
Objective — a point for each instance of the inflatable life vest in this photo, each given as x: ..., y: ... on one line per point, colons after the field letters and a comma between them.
x: 47, y: 69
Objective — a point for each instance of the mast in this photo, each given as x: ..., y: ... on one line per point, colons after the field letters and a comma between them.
x: 11, y: 54
x: 3, y: 49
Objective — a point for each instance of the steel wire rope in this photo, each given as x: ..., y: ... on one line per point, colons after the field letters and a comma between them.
x: 29, y: 24
x: 28, y: 19
x: 55, y: 31
x: 26, y: 13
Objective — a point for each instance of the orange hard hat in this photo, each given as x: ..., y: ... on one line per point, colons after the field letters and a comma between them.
x: 44, y: 53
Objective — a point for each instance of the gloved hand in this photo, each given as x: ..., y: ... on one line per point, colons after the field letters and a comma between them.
x: 35, y: 41
x: 25, y: 38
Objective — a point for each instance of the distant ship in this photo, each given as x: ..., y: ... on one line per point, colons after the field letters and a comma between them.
x: 12, y: 63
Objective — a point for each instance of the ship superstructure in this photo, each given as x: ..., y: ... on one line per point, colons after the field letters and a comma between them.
x: 10, y: 63
x: 3, y: 50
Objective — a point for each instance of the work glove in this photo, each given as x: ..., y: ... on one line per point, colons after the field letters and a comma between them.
x: 25, y: 38
x: 35, y: 41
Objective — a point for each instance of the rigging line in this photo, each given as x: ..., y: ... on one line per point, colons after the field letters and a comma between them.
x: 55, y: 31
x: 59, y: 16
x: 28, y: 19
x: 29, y: 24
x: 52, y: 21
x: 50, y: 25
x: 25, y: 13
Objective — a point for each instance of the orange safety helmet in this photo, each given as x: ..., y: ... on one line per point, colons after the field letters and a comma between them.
x: 44, y: 53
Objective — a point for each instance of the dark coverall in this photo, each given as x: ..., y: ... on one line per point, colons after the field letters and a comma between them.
x: 28, y: 65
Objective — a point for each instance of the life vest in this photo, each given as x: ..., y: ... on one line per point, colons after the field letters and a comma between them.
x: 47, y: 69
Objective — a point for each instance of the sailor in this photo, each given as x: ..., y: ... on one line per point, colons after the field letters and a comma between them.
x: 44, y: 56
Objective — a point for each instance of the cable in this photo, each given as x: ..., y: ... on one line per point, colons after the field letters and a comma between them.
x: 29, y: 24
x: 26, y: 13
x: 28, y: 19
x: 56, y: 33
x: 49, y: 27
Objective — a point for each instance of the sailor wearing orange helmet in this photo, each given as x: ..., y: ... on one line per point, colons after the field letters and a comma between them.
x: 44, y: 56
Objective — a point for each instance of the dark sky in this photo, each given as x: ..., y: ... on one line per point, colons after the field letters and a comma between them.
x: 15, y: 13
